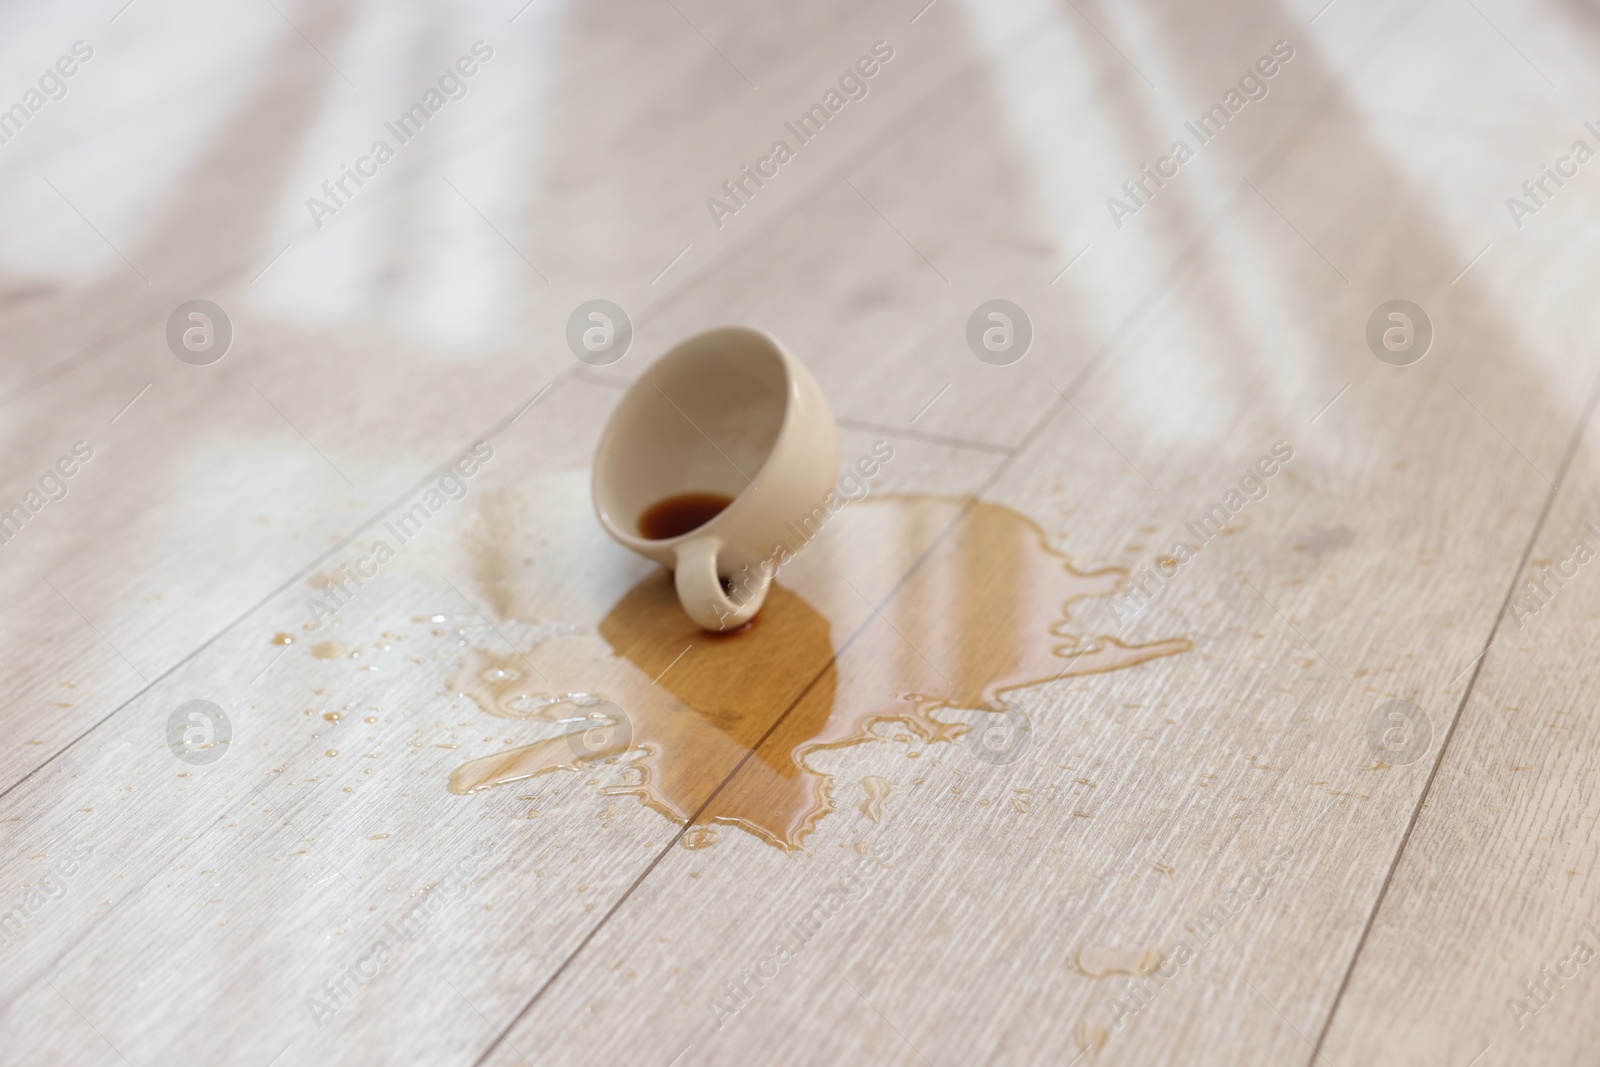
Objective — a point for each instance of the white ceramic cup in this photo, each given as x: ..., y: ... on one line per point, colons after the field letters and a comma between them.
x: 727, y: 412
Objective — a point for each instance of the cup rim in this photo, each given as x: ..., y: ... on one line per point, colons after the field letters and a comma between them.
x: 683, y: 350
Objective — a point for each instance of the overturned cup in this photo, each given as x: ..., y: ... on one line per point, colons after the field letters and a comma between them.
x: 715, y: 447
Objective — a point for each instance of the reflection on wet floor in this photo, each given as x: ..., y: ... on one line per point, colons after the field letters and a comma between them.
x: 718, y: 728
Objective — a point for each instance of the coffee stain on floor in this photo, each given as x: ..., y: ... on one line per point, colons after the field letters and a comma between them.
x: 489, y: 538
x: 726, y: 736
x: 503, y: 685
x: 1320, y: 542
x: 698, y: 837
x: 1097, y: 961
x: 1091, y: 1038
x: 877, y: 789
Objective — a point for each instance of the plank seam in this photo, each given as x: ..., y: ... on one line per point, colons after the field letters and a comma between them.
x: 1461, y: 708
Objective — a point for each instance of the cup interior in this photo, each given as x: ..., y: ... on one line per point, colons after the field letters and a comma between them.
x: 702, y: 419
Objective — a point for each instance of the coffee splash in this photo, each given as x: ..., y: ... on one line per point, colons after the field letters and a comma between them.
x: 877, y: 789
x: 720, y: 728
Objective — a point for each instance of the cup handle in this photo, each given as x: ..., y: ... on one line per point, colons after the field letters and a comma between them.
x: 700, y: 588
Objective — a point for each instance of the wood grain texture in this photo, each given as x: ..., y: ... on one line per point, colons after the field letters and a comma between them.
x: 190, y: 872
x: 1493, y: 894
x: 365, y: 354
x: 1198, y: 780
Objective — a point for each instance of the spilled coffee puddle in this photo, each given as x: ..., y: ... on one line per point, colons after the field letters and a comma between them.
x: 719, y: 728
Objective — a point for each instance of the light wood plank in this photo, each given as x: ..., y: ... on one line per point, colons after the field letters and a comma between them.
x: 1474, y: 953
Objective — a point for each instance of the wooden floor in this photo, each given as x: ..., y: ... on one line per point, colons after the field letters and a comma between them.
x: 957, y: 797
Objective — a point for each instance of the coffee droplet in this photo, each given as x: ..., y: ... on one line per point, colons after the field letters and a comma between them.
x: 496, y: 685
x: 1097, y: 961
x: 698, y: 837
x: 877, y: 790
x: 1091, y: 1037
